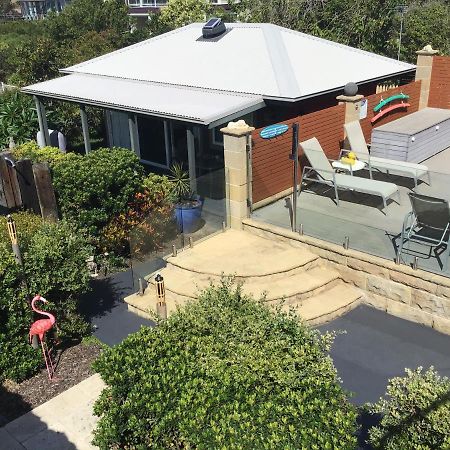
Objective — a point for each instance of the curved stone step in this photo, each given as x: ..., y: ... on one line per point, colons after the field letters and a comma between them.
x: 295, y: 286
x: 244, y: 255
x: 328, y: 305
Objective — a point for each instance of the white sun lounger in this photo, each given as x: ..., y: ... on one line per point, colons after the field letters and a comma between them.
x: 358, y: 145
x: 321, y: 167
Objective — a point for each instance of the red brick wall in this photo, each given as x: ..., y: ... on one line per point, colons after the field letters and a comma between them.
x: 440, y: 83
x: 411, y: 89
x: 272, y: 168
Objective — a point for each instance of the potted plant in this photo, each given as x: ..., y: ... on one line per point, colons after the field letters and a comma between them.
x: 187, y: 205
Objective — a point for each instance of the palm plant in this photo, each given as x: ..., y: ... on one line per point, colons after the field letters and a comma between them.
x: 181, y: 188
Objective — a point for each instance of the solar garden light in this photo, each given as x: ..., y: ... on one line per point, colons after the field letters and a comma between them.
x: 12, y: 231
x: 161, y: 307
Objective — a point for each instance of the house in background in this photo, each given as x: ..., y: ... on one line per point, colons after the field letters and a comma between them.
x: 166, y: 98
x: 38, y: 9
x: 140, y: 9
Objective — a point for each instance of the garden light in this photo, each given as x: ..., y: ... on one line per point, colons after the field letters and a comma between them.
x: 12, y: 231
x: 161, y: 307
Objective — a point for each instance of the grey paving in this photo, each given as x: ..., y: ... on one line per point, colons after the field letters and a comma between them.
x: 376, y: 347
x: 105, y: 309
x: 361, y: 217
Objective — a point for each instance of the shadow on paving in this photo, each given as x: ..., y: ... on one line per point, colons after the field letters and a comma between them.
x: 372, y: 346
x: 28, y: 432
x: 105, y: 309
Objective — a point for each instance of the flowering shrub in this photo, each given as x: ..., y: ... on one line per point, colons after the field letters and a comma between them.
x: 225, y: 372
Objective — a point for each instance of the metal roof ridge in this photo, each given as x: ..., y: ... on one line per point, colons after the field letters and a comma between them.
x: 344, y: 46
x: 161, y: 83
x: 280, y: 61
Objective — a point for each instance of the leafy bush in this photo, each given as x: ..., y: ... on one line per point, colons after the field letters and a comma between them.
x: 18, y: 359
x: 55, y: 267
x: 224, y: 372
x: 31, y: 150
x: 94, y: 188
x: 54, y: 257
x: 18, y: 118
x: 416, y: 415
x: 148, y: 218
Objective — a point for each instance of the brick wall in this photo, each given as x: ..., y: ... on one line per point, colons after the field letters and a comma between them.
x: 440, y: 83
x: 411, y: 89
x: 272, y: 168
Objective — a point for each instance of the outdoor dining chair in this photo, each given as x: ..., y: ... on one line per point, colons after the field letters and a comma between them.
x: 428, y: 223
x: 358, y: 145
x: 324, y: 173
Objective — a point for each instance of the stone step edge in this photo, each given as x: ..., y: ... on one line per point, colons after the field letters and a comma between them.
x: 314, y: 259
x: 331, y: 281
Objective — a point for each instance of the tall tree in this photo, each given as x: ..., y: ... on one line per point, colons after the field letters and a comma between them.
x: 178, y: 13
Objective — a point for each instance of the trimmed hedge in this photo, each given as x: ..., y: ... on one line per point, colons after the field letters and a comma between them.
x: 416, y: 414
x: 224, y: 372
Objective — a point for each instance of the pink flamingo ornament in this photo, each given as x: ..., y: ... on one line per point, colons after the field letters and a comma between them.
x: 39, y: 328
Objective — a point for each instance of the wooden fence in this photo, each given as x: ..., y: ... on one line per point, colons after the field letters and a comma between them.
x: 27, y: 186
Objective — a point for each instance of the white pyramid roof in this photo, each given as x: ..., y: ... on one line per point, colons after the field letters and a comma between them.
x: 260, y: 59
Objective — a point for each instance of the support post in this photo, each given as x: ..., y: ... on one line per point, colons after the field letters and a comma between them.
x: 167, y: 141
x: 191, y: 159
x: 134, y: 136
x: 352, y: 106
x: 42, y: 119
x: 423, y: 73
x: 85, y: 126
x: 236, y: 136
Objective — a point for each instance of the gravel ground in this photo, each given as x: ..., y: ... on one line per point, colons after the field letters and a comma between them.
x: 73, y: 365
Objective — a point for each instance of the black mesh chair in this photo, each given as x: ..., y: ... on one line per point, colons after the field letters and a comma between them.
x: 429, y: 224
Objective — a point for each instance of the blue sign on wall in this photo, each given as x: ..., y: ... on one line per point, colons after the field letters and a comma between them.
x: 273, y: 131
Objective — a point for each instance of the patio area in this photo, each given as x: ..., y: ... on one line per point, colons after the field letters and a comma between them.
x: 361, y: 217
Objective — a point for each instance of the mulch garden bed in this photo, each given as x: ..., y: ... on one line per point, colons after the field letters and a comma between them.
x: 73, y: 365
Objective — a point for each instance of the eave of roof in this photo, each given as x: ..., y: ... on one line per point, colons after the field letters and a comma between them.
x: 199, y: 106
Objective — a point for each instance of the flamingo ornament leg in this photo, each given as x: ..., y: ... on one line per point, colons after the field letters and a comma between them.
x: 39, y: 328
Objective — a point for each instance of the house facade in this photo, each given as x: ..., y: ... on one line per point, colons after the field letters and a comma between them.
x: 38, y: 9
x: 166, y: 98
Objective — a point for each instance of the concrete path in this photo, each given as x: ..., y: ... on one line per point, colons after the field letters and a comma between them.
x: 64, y: 422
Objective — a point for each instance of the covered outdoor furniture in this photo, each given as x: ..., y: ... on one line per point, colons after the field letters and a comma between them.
x: 428, y: 223
x: 321, y: 167
x: 358, y: 145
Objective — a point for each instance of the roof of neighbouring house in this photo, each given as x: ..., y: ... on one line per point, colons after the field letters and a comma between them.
x: 254, y: 61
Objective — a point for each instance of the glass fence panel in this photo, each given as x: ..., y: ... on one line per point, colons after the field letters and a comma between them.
x: 369, y: 205
x: 176, y: 227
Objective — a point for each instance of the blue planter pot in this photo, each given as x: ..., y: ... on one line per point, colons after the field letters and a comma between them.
x: 189, y: 215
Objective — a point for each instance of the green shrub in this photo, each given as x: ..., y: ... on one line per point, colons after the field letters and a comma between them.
x: 31, y: 150
x: 18, y: 118
x: 18, y: 359
x: 94, y: 188
x: 55, y: 267
x: 416, y: 415
x: 26, y: 223
x: 225, y: 372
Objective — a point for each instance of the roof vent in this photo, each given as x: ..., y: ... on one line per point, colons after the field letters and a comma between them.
x: 213, y: 28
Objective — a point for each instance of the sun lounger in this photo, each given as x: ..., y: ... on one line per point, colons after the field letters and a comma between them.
x: 321, y: 167
x: 358, y: 146
x: 428, y: 224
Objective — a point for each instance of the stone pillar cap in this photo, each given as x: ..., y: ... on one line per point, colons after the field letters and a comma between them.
x: 239, y: 128
x: 352, y: 99
x: 427, y: 51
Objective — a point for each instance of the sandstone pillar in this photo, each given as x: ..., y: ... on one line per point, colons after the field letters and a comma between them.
x: 423, y: 73
x: 236, y: 140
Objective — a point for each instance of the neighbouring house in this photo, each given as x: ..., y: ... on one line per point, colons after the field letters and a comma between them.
x: 140, y: 9
x: 38, y: 9
x: 167, y: 97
